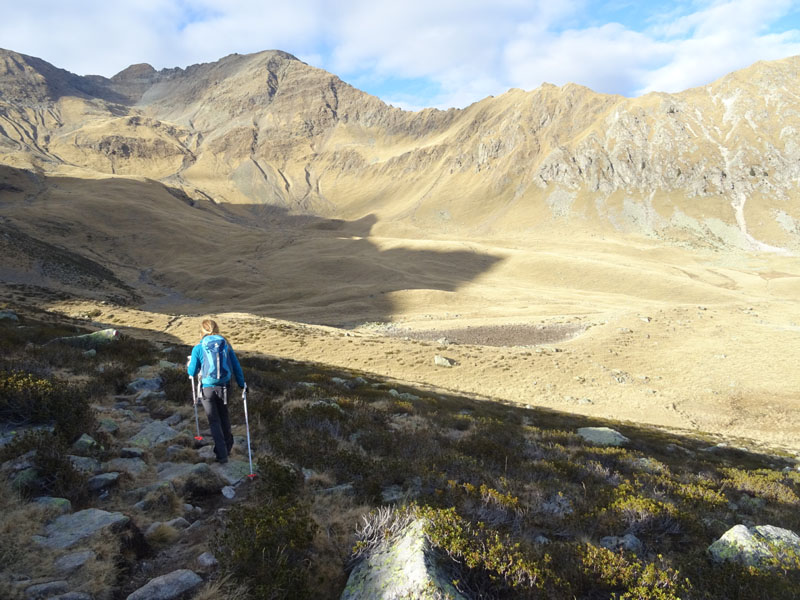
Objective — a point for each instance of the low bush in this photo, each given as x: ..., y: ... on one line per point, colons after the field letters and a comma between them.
x: 268, y: 547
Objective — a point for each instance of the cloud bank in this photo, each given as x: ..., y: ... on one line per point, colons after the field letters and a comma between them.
x: 423, y: 52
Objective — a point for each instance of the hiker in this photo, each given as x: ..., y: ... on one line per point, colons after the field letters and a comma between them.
x: 216, y: 361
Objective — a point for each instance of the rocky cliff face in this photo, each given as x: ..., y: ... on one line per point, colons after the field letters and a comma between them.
x: 717, y: 165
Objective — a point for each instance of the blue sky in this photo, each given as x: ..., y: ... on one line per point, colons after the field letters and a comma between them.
x: 420, y: 53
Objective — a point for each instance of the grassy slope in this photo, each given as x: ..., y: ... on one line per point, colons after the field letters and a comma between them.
x: 491, y: 478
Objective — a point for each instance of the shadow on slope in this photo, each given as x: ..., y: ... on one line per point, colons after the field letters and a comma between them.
x: 171, y: 253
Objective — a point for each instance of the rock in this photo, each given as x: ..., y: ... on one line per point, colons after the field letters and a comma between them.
x: 141, y: 492
x: 69, y: 563
x: 85, y: 443
x: 541, y: 539
x: 68, y: 530
x: 89, y: 340
x: 165, y: 364
x: 206, y: 452
x: 627, y: 542
x: 62, y: 505
x: 142, y: 384
x: 27, y: 478
x: 604, y: 436
x: 102, y: 481
x: 168, y: 587
x: 174, y: 450
x: 443, y: 361
x: 178, y: 523
x: 6, y: 437
x: 108, y: 426
x: 229, y: 492
x: 46, y: 590
x: 8, y: 315
x: 72, y: 596
x: 751, y: 505
x: 403, y: 395
x: 233, y: 471
x: 132, y: 466
x: 90, y: 353
x: 403, y: 568
x: 85, y: 464
x: 131, y: 453
x: 393, y: 493
x: 755, y: 546
x: 173, y: 419
x: 21, y: 463
x: 207, y: 561
x: 147, y: 394
x: 153, y: 434
x: 191, y: 478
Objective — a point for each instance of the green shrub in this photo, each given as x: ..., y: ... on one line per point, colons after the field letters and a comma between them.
x: 492, y: 561
x: 629, y: 577
x: 55, y: 475
x: 268, y: 547
x: 27, y: 398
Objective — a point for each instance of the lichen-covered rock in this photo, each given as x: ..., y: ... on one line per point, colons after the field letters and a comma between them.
x: 167, y: 587
x: 443, y: 361
x: 153, y: 434
x: 233, y: 471
x: 605, y: 436
x: 142, y: 384
x: 61, y: 505
x: 756, y: 546
x: 46, y: 590
x: 85, y: 464
x: 68, y: 530
x: 102, y: 481
x: 69, y: 563
x: 90, y: 340
x: 403, y: 568
x: 131, y: 466
x: 85, y: 443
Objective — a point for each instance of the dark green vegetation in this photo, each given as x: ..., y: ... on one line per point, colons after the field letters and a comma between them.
x: 513, y: 496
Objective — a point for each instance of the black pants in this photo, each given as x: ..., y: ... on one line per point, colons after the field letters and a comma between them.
x: 218, y: 420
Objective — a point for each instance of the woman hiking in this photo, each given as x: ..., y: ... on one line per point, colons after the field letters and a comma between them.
x: 216, y: 361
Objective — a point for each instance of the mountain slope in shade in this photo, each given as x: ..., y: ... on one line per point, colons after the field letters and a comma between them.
x: 716, y: 166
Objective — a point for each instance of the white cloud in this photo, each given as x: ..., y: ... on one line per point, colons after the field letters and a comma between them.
x: 466, y: 49
x: 724, y: 37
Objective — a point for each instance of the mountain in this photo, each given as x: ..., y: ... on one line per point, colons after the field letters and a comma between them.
x: 717, y: 165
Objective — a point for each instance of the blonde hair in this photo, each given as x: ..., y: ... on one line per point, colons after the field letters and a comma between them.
x: 209, y: 327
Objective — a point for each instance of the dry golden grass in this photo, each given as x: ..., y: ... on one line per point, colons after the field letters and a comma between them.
x: 222, y: 589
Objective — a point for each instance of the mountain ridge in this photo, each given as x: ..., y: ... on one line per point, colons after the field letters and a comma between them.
x: 707, y: 166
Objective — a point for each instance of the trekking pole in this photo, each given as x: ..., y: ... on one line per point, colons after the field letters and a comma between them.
x: 247, y: 427
x: 198, y: 437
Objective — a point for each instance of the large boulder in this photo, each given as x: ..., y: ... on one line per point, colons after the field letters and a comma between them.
x: 761, y: 545
x: 402, y: 568
x: 89, y: 340
x: 604, y: 436
x: 168, y: 587
x: 68, y: 530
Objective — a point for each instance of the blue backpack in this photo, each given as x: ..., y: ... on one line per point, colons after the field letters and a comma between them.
x: 215, y: 359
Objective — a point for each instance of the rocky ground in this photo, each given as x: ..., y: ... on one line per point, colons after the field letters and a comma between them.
x: 392, y: 474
